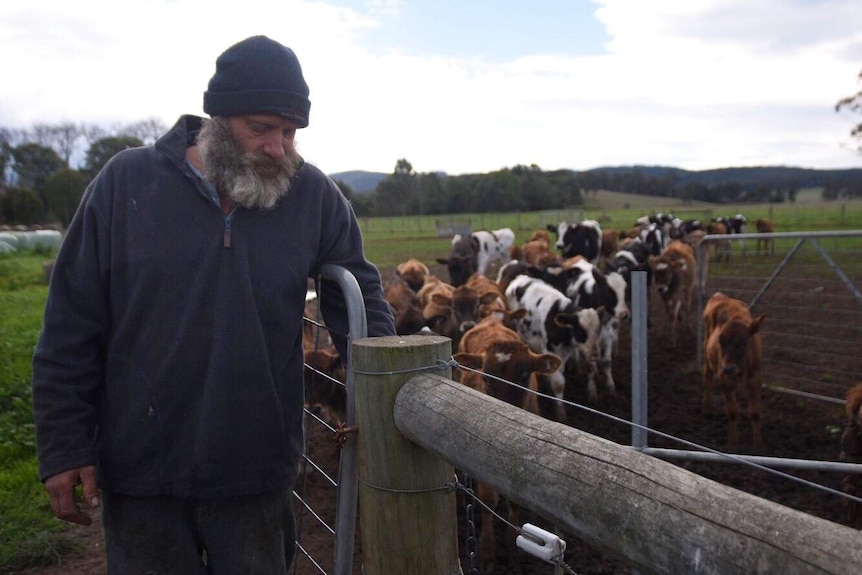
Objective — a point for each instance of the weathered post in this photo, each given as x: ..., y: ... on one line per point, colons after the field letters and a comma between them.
x: 407, y: 514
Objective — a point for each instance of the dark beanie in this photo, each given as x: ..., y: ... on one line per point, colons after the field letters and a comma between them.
x: 258, y: 76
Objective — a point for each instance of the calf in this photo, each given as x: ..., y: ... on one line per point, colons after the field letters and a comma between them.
x: 413, y: 272
x: 765, y: 226
x: 536, y: 252
x: 634, y: 257
x: 673, y: 275
x: 733, y: 351
x: 405, y: 307
x: 554, y: 324
x: 475, y: 253
x: 588, y: 287
x: 584, y: 239
x: 510, y: 369
x: 325, y: 394
x: 721, y: 247
x: 851, y: 450
x: 654, y: 239
x: 452, y: 315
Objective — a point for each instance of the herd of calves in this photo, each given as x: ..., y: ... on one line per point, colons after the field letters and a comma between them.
x: 559, y: 300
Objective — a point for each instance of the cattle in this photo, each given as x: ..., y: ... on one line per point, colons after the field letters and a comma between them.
x: 588, y: 287
x: 536, y: 252
x: 654, y: 238
x: 508, y: 372
x: 413, y: 272
x: 610, y: 243
x: 633, y: 257
x: 851, y: 450
x: 405, y: 307
x: 433, y: 285
x: 554, y: 324
x: 325, y: 394
x: 584, y: 239
x: 475, y: 252
x: 452, y: 315
x: 324, y: 370
x: 673, y: 276
x: 735, y: 225
x: 765, y: 226
x: 733, y: 351
x: 721, y: 248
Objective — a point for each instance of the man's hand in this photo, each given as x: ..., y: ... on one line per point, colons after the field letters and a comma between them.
x: 61, y: 490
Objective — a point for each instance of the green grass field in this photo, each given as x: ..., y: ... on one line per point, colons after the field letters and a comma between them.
x: 29, y: 535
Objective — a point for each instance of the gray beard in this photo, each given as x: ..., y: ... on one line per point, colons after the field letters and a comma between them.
x: 250, y: 179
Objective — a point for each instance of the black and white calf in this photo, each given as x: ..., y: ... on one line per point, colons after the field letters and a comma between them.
x: 581, y: 239
x: 554, y: 324
x: 634, y: 257
x: 475, y: 252
x: 588, y: 287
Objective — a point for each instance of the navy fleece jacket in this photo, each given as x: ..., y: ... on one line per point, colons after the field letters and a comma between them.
x: 171, y: 351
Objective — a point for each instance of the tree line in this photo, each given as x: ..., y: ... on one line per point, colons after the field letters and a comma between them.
x: 39, y: 185
x: 38, y: 182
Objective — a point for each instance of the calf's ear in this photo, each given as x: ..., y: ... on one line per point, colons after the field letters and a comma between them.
x: 444, y: 261
x: 757, y: 324
x: 469, y: 360
x: 546, y: 363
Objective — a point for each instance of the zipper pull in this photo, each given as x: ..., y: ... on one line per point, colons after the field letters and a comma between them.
x: 226, y: 241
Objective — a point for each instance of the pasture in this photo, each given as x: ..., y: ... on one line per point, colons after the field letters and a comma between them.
x: 794, y: 427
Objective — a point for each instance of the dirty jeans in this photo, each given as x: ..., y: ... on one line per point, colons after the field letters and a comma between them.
x: 251, y: 534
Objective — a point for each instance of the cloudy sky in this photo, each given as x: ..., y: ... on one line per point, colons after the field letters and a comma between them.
x: 470, y: 86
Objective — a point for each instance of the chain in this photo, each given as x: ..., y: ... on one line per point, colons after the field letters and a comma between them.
x: 471, y: 543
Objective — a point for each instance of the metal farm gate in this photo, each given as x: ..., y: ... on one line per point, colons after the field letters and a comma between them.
x: 809, y: 286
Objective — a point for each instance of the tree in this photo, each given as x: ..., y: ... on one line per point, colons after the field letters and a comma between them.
x: 104, y: 149
x: 34, y: 163
x: 854, y: 104
x: 59, y: 137
x: 148, y: 130
x: 20, y: 206
x: 64, y: 189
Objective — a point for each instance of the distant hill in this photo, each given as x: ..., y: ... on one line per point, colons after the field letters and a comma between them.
x: 748, y: 176
x: 359, y: 181
x: 363, y: 182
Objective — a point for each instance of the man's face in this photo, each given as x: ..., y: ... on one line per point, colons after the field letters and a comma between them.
x: 250, y: 158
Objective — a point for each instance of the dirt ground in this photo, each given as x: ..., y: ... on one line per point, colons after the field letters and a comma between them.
x: 793, y: 427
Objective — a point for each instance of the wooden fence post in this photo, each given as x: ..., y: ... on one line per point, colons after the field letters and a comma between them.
x: 407, y: 515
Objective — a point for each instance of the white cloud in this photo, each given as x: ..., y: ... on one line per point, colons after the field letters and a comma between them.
x: 694, y: 84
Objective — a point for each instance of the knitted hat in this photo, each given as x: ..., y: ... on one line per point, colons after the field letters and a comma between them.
x: 258, y: 76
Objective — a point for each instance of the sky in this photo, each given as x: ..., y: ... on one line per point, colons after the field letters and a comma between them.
x: 470, y: 86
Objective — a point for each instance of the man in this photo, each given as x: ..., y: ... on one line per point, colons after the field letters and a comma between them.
x: 168, y: 374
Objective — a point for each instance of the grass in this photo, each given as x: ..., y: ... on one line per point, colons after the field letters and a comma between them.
x: 29, y: 535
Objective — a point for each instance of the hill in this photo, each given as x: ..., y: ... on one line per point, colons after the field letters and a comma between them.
x: 363, y: 182
x: 359, y: 181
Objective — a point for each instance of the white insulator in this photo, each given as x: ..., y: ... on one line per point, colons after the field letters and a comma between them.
x: 540, y: 543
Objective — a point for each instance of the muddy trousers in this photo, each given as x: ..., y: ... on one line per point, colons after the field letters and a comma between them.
x: 251, y: 534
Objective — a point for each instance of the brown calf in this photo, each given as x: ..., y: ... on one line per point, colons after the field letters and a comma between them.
x: 413, y: 272
x: 498, y: 351
x: 765, y: 226
x: 405, y: 307
x: 733, y: 350
x: 673, y: 277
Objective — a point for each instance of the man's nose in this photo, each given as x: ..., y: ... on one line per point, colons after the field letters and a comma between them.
x: 274, y: 146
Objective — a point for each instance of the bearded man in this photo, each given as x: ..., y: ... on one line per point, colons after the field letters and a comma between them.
x: 168, y: 378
